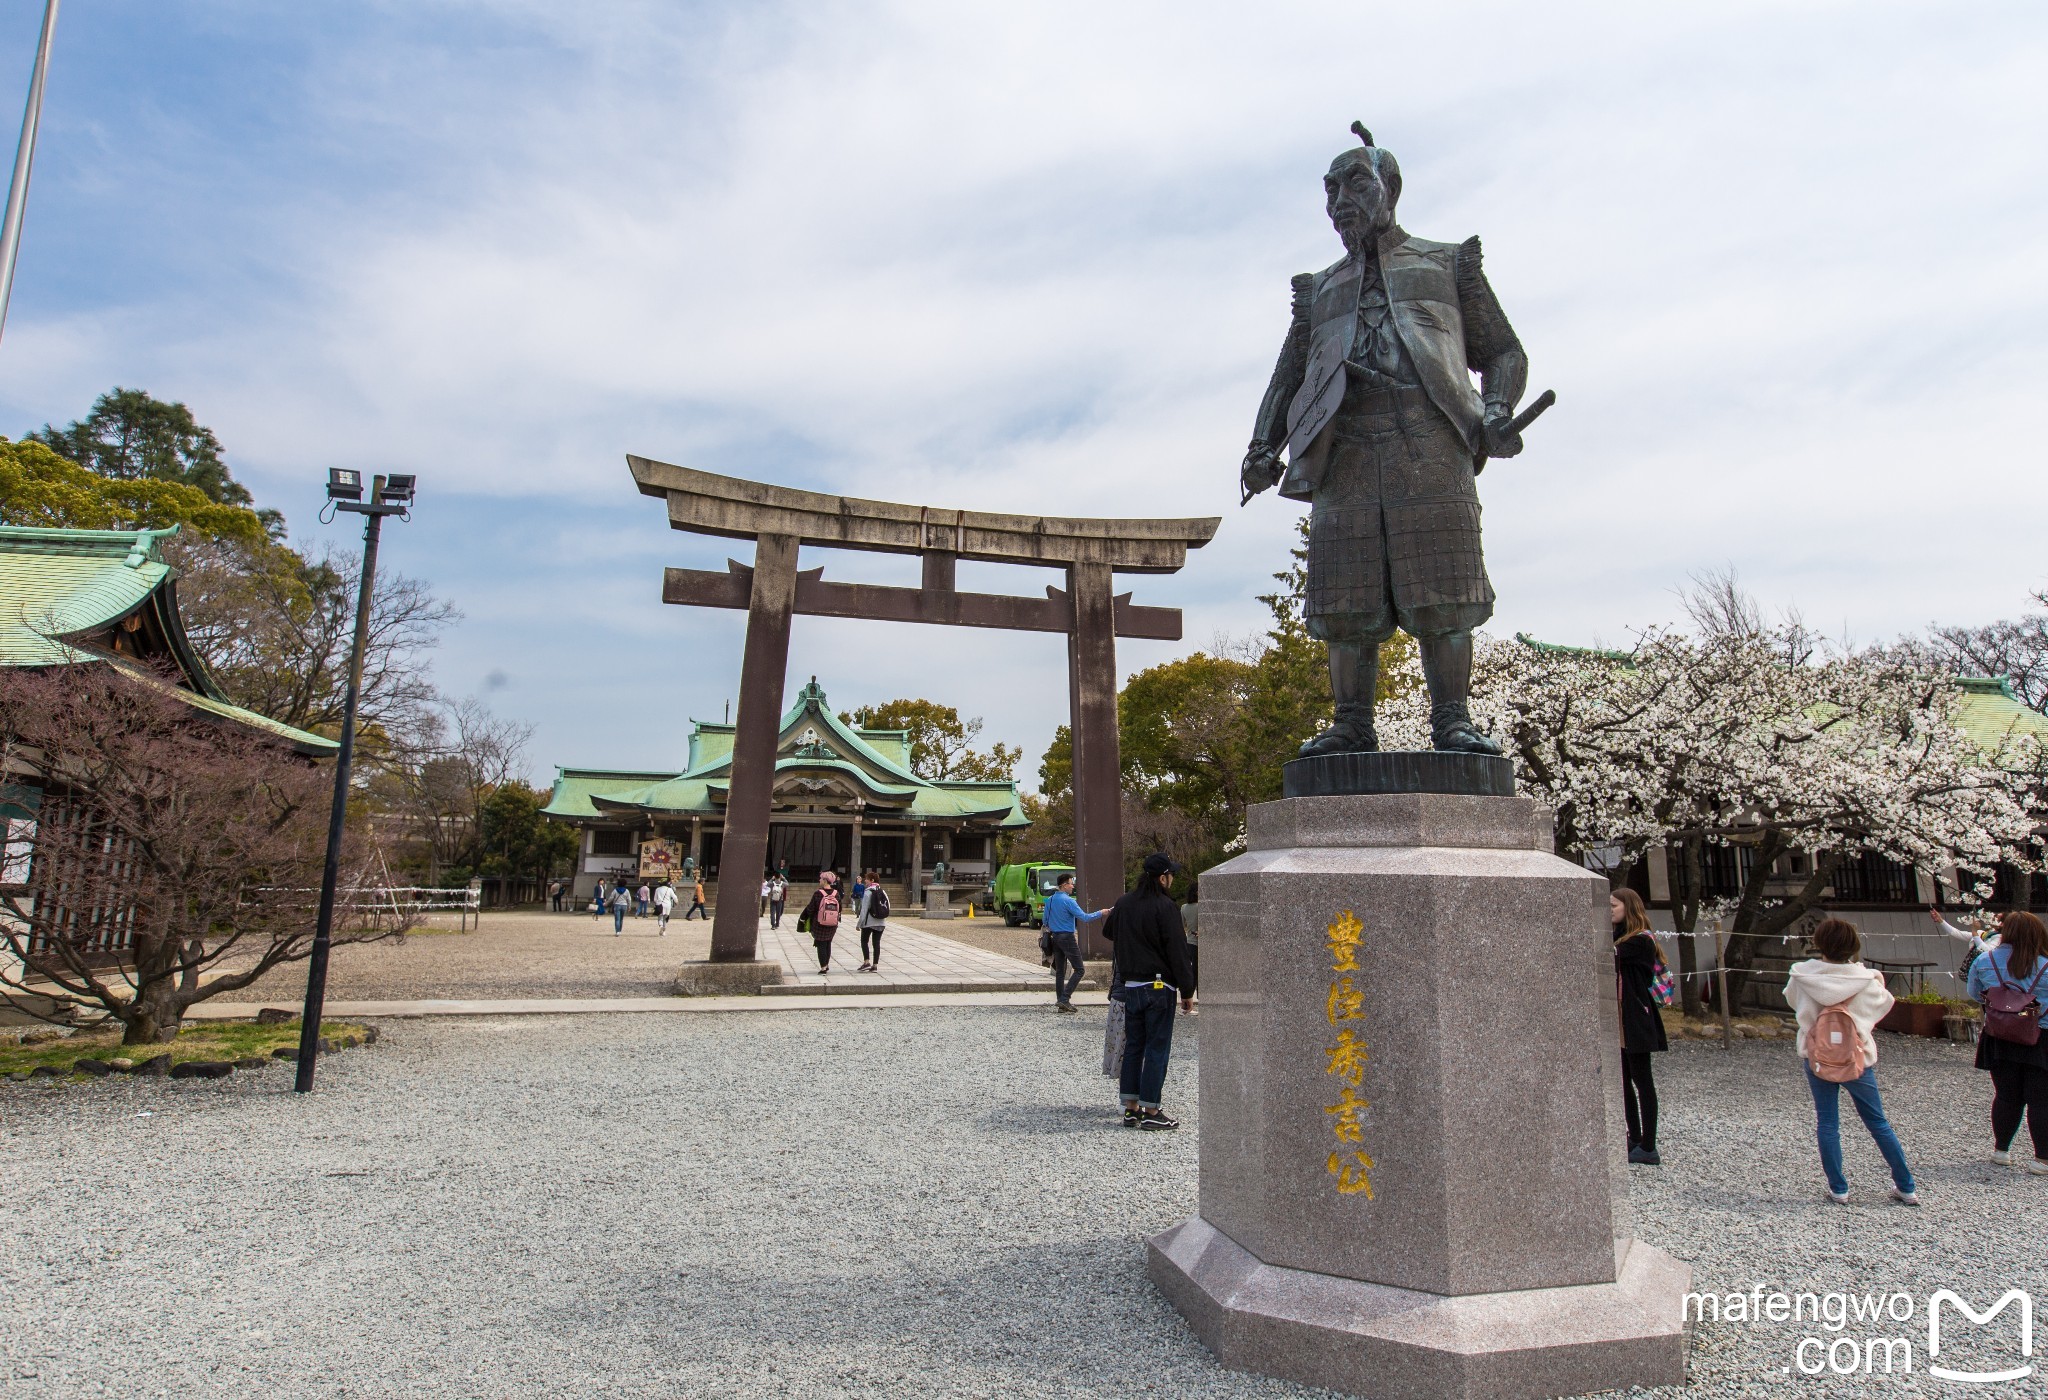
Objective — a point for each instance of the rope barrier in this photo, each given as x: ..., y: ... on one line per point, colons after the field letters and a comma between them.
x: 1789, y: 937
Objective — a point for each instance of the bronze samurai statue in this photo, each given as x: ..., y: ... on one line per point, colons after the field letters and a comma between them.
x: 1385, y: 435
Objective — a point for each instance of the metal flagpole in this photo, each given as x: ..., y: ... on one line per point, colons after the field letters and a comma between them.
x: 24, y: 157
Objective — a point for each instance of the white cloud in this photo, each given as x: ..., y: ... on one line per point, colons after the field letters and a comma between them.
x: 1779, y: 261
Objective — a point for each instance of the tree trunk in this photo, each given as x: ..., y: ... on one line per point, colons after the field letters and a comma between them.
x: 154, y: 1016
x: 1755, y: 925
x: 1682, y: 867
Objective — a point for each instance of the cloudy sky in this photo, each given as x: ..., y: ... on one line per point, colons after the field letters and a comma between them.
x: 1781, y: 263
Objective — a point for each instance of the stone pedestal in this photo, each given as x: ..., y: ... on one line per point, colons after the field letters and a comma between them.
x: 745, y: 977
x: 938, y: 902
x: 1412, y: 1178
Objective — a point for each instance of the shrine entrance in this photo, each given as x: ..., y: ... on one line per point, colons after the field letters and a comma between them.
x: 808, y: 848
x: 1088, y: 611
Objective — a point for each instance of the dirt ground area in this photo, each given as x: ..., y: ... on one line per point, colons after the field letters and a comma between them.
x: 538, y: 954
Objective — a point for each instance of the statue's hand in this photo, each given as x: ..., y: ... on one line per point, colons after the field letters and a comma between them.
x: 1261, y: 469
x: 1497, y: 438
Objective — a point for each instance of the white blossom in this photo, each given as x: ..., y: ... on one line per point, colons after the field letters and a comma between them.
x: 1743, y: 736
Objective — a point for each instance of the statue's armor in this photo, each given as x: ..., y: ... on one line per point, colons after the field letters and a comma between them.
x: 1394, y: 531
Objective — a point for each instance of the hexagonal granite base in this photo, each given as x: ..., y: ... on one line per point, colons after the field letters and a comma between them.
x: 1399, y: 1344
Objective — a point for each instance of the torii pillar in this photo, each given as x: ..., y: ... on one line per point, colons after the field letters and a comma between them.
x: 1089, y: 611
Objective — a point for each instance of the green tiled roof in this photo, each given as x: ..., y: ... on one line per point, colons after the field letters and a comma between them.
x: 1990, y: 713
x: 575, y: 787
x: 220, y: 709
x: 875, y: 761
x: 1561, y: 649
x: 892, y: 744
x: 58, y: 585
x: 710, y: 745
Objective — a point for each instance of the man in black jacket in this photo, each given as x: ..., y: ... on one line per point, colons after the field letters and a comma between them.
x: 1151, y: 961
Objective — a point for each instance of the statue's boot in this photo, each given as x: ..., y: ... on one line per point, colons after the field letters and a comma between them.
x: 1354, y: 675
x: 1451, y: 731
x: 1352, y: 733
x: 1447, y: 668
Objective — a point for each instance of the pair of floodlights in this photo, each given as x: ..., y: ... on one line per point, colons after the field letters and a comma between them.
x: 389, y: 495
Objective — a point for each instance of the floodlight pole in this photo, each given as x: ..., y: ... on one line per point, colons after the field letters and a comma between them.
x: 24, y: 157
x: 316, y: 965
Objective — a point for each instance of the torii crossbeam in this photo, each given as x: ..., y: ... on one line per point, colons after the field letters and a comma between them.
x: 779, y: 519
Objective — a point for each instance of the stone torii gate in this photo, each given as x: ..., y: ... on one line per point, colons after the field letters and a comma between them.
x: 779, y: 519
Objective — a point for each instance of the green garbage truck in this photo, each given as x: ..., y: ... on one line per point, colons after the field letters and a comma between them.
x: 1018, y: 892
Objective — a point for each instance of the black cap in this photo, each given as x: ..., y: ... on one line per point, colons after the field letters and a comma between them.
x: 1159, y: 863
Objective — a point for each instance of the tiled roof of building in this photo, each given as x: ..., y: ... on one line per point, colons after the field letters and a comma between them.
x: 1991, y: 713
x: 811, y: 740
x: 56, y: 583
x: 58, y: 586
x: 575, y: 787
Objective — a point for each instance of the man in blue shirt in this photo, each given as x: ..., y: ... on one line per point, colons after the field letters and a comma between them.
x: 1063, y: 914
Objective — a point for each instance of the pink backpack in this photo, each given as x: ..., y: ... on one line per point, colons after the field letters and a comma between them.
x: 828, y: 909
x: 1834, y: 1048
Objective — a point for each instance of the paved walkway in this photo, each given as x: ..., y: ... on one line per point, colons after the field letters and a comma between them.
x: 912, y: 961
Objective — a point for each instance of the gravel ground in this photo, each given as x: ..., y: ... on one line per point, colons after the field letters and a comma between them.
x: 928, y: 1202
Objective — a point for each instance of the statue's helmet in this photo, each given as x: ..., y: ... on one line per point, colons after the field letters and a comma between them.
x: 1381, y: 162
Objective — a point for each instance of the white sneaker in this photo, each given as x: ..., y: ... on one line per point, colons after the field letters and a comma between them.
x: 2002, y: 1156
x: 1840, y: 1199
x: 2037, y: 1167
x: 1906, y: 1198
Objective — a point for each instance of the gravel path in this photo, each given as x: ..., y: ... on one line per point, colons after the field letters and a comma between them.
x: 928, y: 1202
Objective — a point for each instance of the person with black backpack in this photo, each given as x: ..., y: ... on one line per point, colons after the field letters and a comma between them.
x: 873, y: 914
x: 821, y: 917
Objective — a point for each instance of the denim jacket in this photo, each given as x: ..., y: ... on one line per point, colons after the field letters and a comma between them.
x: 1995, y: 963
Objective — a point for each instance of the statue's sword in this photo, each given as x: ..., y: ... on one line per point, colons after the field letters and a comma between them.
x: 1520, y: 421
x: 1532, y: 412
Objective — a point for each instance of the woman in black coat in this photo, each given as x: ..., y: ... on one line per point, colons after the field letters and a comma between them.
x: 821, y: 917
x: 1642, y: 1025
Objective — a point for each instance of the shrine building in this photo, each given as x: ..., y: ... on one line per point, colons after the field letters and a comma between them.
x: 845, y: 799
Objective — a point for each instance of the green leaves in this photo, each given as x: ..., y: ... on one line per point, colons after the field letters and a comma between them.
x: 516, y: 840
x: 941, y: 743
x: 38, y: 487
x: 129, y: 436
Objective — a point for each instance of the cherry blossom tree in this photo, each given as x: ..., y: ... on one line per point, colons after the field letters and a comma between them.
x: 1751, y: 735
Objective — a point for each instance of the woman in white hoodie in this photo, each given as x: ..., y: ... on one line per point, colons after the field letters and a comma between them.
x: 1837, y: 979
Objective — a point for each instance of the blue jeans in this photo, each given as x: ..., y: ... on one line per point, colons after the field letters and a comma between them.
x: 618, y: 917
x: 1148, y: 1041
x: 1066, y: 958
x: 1827, y: 1112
